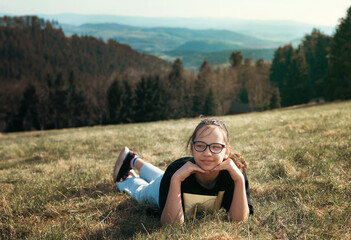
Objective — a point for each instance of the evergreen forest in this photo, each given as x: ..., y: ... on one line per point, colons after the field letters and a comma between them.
x: 51, y: 81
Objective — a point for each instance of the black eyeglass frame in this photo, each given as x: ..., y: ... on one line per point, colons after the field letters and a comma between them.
x: 208, y: 146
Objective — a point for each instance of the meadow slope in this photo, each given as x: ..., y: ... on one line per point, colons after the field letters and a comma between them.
x: 58, y: 184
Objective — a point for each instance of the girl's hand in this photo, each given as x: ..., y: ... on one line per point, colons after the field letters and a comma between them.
x: 186, y: 170
x: 233, y: 170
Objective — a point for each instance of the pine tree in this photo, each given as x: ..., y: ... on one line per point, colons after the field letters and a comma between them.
x: 77, y: 109
x: 299, y: 87
x: 243, y: 95
x: 339, y: 79
x: 259, y: 63
x: 235, y: 59
x: 114, y: 101
x: 202, y: 85
x: 211, y: 104
x: 151, y: 99
x: 59, y: 102
x: 176, y: 90
x: 28, y: 111
x: 280, y: 73
x: 274, y: 101
x: 45, y: 103
x: 316, y: 49
x: 127, y: 109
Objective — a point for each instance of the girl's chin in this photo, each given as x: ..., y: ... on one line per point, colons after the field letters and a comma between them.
x: 207, y: 167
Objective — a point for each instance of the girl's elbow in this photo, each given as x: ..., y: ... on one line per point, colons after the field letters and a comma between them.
x: 243, y: 219
x: 240, y: 218
x: 168, y: 220
x: 174, y: 222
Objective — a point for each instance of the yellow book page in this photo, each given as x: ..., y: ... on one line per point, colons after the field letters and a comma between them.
x: 201, y: 202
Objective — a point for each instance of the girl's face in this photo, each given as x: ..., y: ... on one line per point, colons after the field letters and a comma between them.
x: 206, y: 159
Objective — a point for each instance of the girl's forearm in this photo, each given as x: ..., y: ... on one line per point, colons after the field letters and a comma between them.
x: 239, y: 209
x: 173, y: 210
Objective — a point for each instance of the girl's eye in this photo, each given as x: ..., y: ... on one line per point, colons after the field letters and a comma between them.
x: 216, y: 148
x: 200, y: 145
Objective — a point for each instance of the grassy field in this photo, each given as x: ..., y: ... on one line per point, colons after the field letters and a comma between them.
x: 58, y: 184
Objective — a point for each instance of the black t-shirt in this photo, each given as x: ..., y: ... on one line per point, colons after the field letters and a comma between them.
x: 193, y: 194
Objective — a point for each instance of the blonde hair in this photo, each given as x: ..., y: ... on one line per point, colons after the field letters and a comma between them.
x: 236, y: 157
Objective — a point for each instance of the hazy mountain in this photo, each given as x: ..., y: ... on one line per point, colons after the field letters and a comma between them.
x: 155, y: 40
x: 169, y: 43
x: 284, y: 31
x: 188, y: 44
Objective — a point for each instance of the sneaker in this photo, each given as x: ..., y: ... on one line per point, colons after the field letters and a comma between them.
x: 122, y: 166
x: 130, y: 174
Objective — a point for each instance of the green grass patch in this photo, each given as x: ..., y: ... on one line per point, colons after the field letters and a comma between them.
x: 58, y: 184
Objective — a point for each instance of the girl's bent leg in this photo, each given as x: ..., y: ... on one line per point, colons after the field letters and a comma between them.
x: 149, y: 172
x: 142, y: 191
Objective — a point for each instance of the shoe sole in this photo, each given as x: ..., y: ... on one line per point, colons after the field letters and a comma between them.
x: 119, y: 162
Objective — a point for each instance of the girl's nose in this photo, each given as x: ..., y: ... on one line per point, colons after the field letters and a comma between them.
x: 207, y: 151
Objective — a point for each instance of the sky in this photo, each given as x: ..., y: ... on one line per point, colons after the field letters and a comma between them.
x: 318, y: 12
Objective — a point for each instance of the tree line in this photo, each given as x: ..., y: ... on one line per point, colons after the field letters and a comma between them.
x: 50, y: 81
x: 319, y: 69
x: 64, y: 100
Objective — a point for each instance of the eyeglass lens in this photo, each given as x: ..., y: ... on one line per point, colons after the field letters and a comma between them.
x: 214, y: 147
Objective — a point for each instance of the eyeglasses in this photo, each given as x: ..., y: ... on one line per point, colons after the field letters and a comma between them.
x: 215, y: 148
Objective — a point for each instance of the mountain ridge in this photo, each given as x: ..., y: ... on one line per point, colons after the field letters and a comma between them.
x: 191, y: 45
x: 162, y: 36
x: 278, y: 30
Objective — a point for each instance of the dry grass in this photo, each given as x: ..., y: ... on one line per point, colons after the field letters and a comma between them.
x: 58, y: 185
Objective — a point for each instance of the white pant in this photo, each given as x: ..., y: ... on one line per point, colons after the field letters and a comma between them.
x: 146, y: 188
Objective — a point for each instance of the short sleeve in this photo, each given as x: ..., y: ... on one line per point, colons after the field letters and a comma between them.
x: 166, y: 180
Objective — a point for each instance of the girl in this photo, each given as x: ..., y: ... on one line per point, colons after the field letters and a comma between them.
x: 212, y: 178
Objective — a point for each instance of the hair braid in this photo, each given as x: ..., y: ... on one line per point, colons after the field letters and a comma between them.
x: 238, y: 160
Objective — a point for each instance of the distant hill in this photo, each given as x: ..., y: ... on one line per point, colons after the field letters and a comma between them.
x: 274, y: 30
x: 207, y: 46
x: 155, y: 40
x: 192, y: 46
